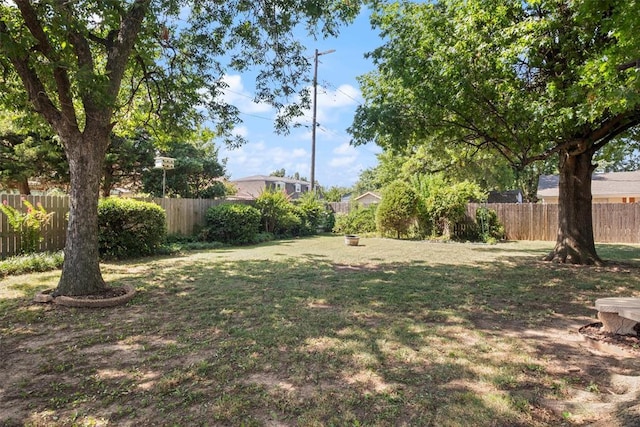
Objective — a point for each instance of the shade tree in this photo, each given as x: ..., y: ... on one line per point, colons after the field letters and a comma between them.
x: 82, y: 64
x: 529, y: 81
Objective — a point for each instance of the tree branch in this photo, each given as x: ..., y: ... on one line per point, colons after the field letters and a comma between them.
x: 60, y: 75
x: 118, y: 55
x: 632, y: 64
x: 33, y: 86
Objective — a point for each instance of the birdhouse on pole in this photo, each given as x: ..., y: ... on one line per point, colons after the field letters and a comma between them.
x: 164, y: 162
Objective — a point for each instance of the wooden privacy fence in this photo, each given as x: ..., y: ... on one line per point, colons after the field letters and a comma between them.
x: 340, y: 207
x: 185, y: 216
x: 54, y: 232
x: 612, y: 223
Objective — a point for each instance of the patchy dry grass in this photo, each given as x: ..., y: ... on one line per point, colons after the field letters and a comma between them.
x: 312, y: 332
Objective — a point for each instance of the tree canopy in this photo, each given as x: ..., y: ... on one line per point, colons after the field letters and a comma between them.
x: 88, y: 66
x: 28, y: 151
x: 527, y: 80
x: 197, y: 173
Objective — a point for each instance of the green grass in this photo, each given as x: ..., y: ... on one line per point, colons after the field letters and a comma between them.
x: 43, y: 261
x: 310, y: 332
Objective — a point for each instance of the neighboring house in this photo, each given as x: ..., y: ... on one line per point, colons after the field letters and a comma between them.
x: 509, y: 196
x: 368, y: 198
x: 347, y: 197
x: 251, y: 187
x: 612, y: 187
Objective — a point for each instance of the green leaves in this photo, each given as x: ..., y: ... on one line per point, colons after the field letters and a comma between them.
x: 521, y: 79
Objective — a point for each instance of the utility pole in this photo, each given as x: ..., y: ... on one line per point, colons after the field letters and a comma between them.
x: 314, y: 124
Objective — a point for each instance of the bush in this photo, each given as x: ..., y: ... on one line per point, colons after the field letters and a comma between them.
x: 328, y: 220
x: 398, y: 209
x: 130, y: 228
x: 275, y: 211
x: 290, y: 222
x: 232, y: 223
x: 444, y: 204
x: 359, y: 220
x: 43, y: 261
x: 311, y: 212
x: 490, y: 229
x: 29, y: 224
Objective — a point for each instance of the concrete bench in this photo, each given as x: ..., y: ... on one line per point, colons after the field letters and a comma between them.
x: 619, y: 315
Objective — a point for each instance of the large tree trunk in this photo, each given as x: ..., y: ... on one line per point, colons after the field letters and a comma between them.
x: 107, y: 181
x: 575, y: 242
x: 81, y: 269
x: 23, y: 186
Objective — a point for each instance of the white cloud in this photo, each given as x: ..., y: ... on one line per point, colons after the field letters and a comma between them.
x: 235, y: 94
x: 343, y: 96
x: 332, y: 106
x: 344, y: 149
x: 242, y: 131
x: 256, y: 158
x: 340, y: 162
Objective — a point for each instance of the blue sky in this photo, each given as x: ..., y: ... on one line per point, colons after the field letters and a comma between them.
x: 337, y: 163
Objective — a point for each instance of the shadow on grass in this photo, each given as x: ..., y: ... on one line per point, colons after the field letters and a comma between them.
x: 309, y: 341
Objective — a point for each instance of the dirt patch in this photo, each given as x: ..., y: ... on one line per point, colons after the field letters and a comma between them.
x: 359, y: 267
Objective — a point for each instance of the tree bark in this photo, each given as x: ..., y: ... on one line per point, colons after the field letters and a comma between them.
x: 575, y: 242
x: 81, y: 269
x: 107, y: 181
x: 23, y: 186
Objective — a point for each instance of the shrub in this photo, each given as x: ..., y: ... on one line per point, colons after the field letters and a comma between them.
x: 398, y: 208
x: 443, y: 204
x: 130, y: 228
x: 311, y: 212
x: 359, y: 220
x: 328, y: 220
x: 290, y: 222
x: 232, y: 223
x: 43, y: 261
x: 489, y: 226
x: 275, y: 211
x: 29, y: 224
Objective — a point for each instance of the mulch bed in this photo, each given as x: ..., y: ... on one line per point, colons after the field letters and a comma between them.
x: 108, y: 293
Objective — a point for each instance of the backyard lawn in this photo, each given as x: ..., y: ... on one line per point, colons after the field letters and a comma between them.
x: 312, y: 332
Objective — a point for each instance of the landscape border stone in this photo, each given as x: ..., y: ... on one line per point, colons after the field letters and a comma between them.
x: 599, y: 342
x: 67, y: 301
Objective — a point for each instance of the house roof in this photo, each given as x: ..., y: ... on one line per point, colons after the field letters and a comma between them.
x: 611, y: 184
x: 509, y: 196
x: 368, y: 193
x: 270, y: 178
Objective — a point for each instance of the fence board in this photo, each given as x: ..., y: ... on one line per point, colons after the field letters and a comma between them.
x: 54, y: 233
x: 612, y: 223
x: 186, y: 216
x: 340, y: 207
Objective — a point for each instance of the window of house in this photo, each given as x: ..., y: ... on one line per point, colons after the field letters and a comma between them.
x: 298, y: 188
x: 279, y: 185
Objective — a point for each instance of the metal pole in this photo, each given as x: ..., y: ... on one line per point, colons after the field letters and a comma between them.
x: 315, y: 108
x: 164, y: 180
x: 313, y: 124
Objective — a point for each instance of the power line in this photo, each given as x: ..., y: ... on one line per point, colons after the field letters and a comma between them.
x: 254, y: 115
x: 337, y: 89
